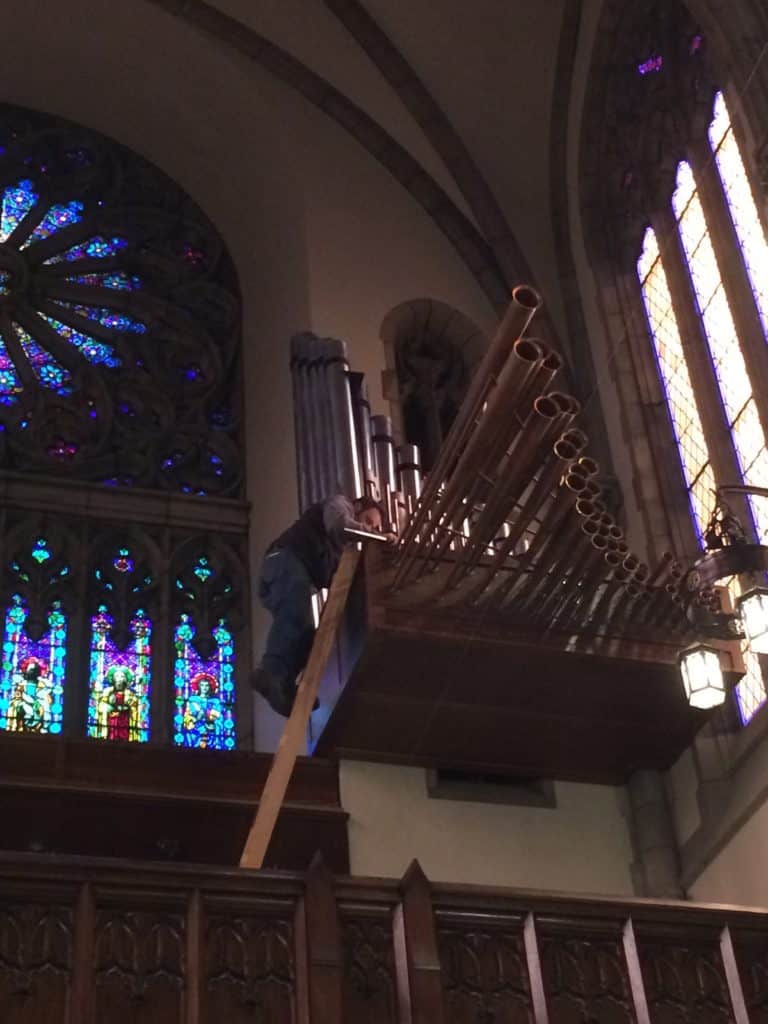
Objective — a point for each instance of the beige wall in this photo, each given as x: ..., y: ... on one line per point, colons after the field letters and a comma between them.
x: 582, y: 845
x: 738, y: 874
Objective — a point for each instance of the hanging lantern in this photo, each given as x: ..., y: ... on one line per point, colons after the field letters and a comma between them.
x: 753, y: 608
x: 702, y: 676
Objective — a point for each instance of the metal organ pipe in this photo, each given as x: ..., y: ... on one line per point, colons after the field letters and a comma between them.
x: 362, y: 414
x: 346, y: 476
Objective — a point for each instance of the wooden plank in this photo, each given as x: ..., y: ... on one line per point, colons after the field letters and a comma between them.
x: 295, y: 730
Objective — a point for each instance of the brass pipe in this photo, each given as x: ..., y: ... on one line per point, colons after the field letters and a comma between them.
x: 582, y: 573
x: 563, y: 453
x: 524, y: 303
x: 591, y: 466
x: 517, y: 469
x: 539, y: 380
x: 514, y: 473
x: 547, y: 565
x: 555, y: 518
x: 485, y: 445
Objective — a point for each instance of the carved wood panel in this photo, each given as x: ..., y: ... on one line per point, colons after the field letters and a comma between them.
x: 585, y: 979
x: 752, y: 960
x: 485, y: 976
x: 139, y: 966
x: 249, y: 973
x: 35, y: 963
x: 684, y: 979
x: 369, y: 989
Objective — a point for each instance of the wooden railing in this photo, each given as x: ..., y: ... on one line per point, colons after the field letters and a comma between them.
x: 86, y: 942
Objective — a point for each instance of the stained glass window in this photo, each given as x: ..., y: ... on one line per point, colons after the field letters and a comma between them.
x: 22, y: 200
x: 681, y: 397
x: 724, y: 344
x: 204, y: 690
x: 32, y: 672
x: 736, y: 390
x: 118, y: 704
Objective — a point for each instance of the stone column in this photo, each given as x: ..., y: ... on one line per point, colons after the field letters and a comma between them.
x: 657, y: 864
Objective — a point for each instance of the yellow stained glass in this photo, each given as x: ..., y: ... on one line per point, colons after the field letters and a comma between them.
x: 741, y: 203
x: 681, y: 399
x: 725, y: 349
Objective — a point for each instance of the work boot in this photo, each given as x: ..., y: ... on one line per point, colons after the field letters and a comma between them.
x: 278, y: 693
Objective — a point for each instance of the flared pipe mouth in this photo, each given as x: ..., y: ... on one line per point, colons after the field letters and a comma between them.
x: 528, y: 350
x: 578, y: 439
x: 552, y: 361
x: 621, y: 575
x: 600, y: 542
x: 526, y: 296
x: 623, y: 548
x: 593, y: 489
x: 584, y: 507
x: 606, y: 518
x: 591, y: 466
x: 616, y: 531
x: 641, y: 573
x: 612, y: 559
x: 564, y: 450
x: 590, y: 527
x: 631, y: 563
x: 546, y: 407
x: 566, y: 403
x: 575, y: 483
x: 600, y: 506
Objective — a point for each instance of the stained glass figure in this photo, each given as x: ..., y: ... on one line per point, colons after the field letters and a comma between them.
x: 32, y: 672
x: 120, y: 680
x: 204, y: 690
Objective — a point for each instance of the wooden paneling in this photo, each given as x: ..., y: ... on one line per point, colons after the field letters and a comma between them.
x: 107, y: 942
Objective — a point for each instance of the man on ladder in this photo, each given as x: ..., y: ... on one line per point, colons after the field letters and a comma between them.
x: 302, y: 560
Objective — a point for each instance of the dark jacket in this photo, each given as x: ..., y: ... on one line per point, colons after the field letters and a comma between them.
x: 317, y: 538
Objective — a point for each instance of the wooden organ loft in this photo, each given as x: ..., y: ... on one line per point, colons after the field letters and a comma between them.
x: 508, y: 628
x: 511, y: 624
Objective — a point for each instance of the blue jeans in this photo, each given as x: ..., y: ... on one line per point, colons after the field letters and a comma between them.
x: 286, y: 591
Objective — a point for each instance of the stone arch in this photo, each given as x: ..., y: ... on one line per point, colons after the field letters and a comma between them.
x: 431, y: 352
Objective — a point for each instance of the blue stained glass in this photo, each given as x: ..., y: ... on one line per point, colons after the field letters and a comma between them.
x: 10, y: 385
x: 117, y: 281
x: 119, y: 695
x: 18, y: 200
x: 50, y: 373
x: 96, y: 248
x: 202, y: 570
x: 32, y: 672
x: 204, y: 690
x: 106, y: 317
x: 41, y: 552
x: 5, y: 282
x: 61, y: 215
x: 100, y: 353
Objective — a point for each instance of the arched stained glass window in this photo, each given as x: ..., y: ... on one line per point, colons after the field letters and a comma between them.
x: 32, y: 672
x: 204, y: 690
x: 740, y: 412
x: 118, y: 706
x: 119, y: 317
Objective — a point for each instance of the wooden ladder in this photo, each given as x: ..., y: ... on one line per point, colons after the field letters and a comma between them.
x: 291, y: 741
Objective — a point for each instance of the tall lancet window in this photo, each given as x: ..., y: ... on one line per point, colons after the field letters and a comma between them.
x: 727, y: 349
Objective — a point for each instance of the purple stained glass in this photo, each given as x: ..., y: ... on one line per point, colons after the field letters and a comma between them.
x: 59, y: 216
x: 32, y: 672
x: 106, y: 317
x: 10, y: 385
x: 96, y: 248
x: 118, y: 703
x: 97, y: 352
x: 18, y: 200
x: 204, y: 690
x: 62, y: 449
x: 50, y: 373
x: 653, y: 64
x: 116, y: 280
